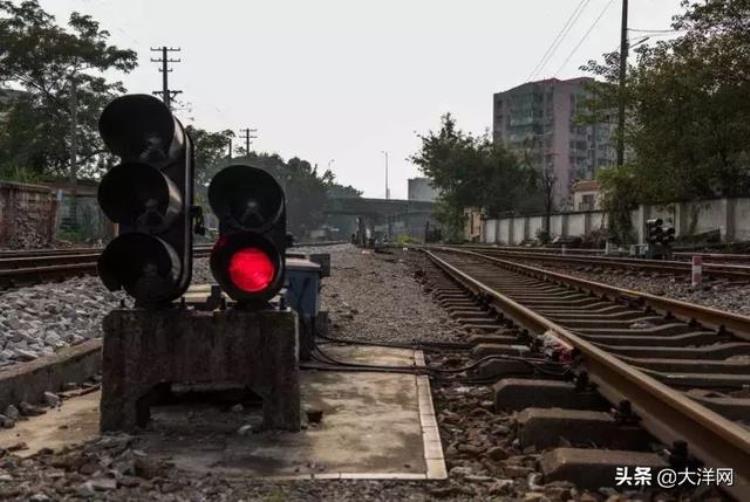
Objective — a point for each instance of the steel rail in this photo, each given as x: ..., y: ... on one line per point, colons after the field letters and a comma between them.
x: 21, y: 269
x: 16, y: 271
x: 667, y: 414
x: 737, y: 324
x: 11, y: 258
x: 723, y: 270
x: 683, y: 255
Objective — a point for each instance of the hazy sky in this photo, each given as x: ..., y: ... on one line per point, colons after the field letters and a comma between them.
x: 346, y: 79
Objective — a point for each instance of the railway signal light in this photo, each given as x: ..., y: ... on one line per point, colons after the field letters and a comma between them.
x: 655, y: 231
x: 248, y: 258
x: 150, y: 196
x: 669, y: 233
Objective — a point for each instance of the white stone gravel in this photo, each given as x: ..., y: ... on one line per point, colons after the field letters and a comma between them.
x: 38, y: 320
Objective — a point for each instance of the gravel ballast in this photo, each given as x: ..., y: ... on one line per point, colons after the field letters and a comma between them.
x: 38, y: 320
x: 370, y: 297
x: 719, y: 294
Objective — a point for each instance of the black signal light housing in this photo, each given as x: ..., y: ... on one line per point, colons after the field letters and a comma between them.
x: 248, y: 259
x: 149, y: 194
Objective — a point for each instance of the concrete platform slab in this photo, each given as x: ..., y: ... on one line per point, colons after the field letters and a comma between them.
x: 76, y: 421
x: 374, y: 426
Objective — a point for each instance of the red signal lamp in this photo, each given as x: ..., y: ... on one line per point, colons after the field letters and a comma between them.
x: 247, y: 266
x: 251, y: 270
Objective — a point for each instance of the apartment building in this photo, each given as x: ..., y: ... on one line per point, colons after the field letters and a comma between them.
x: 538, y: 120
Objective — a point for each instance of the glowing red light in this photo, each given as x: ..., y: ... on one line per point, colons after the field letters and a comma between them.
x: 251, y: 270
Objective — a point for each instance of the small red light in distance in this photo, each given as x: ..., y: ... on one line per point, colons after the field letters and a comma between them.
x: 251, y: 270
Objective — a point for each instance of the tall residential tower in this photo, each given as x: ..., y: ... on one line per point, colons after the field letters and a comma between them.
x: 537, y: 120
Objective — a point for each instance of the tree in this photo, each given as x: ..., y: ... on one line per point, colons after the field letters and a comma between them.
x: 471, y: 171
x: 211, y: 154
x: 547, y: 181
x: 542, y: 184
x: 306, y: 190
x: 52, y: 127
x: 337, y: 191
x: 688, y: 108
x: 620, y: 194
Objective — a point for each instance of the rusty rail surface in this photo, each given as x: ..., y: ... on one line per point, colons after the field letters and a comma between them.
x: 34, y: 266
x: 665, y: 412
x: 722, y: 270
x: 681, y: 255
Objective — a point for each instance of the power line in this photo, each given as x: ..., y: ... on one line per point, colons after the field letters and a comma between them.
x: 572, y: 19
x: 585, y: 36
x: 165, y: 93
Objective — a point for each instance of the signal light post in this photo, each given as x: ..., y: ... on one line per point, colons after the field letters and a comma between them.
x: 150, y: 196
x: 248, y: 259
x: 160, y: 342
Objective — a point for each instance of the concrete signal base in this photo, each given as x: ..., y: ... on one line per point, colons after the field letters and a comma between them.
x: 144, y: 352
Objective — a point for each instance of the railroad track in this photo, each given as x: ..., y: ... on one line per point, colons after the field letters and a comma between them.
x: 18, y: 268
x: 729, y: 271
x: 683, y: 369
x: 680, y: 255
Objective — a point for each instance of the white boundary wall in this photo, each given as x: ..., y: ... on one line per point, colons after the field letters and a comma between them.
x: 730, y: 216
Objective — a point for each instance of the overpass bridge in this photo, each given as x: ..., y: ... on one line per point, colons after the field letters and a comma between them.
x: 391, y: 217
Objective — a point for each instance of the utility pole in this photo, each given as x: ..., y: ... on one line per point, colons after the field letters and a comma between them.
x: 230, y: 148
x: 73, y: 179
x: 387, y: 190
x: 165, y: 93
x: 248, y: 135
x: 623, y: 75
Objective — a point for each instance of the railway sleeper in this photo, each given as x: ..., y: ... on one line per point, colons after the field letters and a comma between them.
x: 688, y: 365
x: 630, y: 339
x: 477, y: 328
x: 667, y: 329
x: 589, y: 468
x: 516, y: 394
x: 494, y: 349
x: 480, y: 316
x: 594, y: 323
x: 587, y: 304
x: 701, y: 380
x: 573, y: 297
x: 622, y: 314
x: 607, y: 308
x: 733, y: 408
x: 717, y: 351
x: 551, y: 427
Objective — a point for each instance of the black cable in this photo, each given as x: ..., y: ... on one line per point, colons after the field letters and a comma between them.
x: 322, y: 357
x: 419, y: 344
x: 585, y: 36
x: 569, y: 23
x: 536, y: 364
x: 309, y: 366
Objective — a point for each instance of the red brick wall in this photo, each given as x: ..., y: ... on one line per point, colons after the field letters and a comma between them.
x: 27, y: 215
